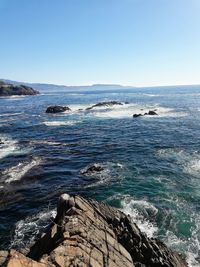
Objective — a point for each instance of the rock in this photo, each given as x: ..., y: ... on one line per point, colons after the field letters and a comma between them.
x: 10, y: 89
x: 3, y: 256
x: 57, y: 109
x: 105, y: 104
x: 16, y: 259
x: 1, y: 142
x: 92, y: 168
x: 137, y: 115
x: 152, y: 112
x: 88, y: 233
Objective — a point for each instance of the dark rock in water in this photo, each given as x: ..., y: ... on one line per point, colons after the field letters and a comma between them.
x: 10, y: 89
x: 105, y: 104
x: 152, y: 112
x: 92, y: 169
x: 1, y: 142
x: 126, y: 102
x: 137, y: 115
x: 57, y: 109
x: 87, y: 233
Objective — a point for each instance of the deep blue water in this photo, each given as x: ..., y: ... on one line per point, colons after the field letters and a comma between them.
x: 151, y: 164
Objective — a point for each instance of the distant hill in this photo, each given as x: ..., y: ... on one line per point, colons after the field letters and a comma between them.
x: 9, y: 89
x: 43, y: 87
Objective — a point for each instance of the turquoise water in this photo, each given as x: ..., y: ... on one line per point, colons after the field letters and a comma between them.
x: 151, y: 164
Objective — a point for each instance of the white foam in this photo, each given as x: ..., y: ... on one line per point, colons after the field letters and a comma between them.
x: 127, y: 111
x: 17, y: 172
x: 10, y: 114
x: 26, y: 230
x: 60, y: 123
x: 190, y: 162
x: 189, y: 247
x: 8, y: 146
x: 140, y: 210
x: 110, y: 172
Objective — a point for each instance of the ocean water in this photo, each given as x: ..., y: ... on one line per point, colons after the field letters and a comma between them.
x: 151, y: 164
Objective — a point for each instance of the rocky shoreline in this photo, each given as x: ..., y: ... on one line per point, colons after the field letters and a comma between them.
x: 7, y: 89
x: 88, y: 233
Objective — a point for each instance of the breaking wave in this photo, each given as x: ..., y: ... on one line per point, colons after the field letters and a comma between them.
x: 27, y: 230
x: 60, y: 123
x: 7, y: 146
x: 17, y: 172
x: 140, y: 212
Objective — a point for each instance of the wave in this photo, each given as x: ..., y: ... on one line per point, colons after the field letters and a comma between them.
x: 140, y: 211
x: 127, y: 111
x: 27, y: 230
x: 7, y: 146
x: 189, y: 161
x: 10, y: 114
x: 60, y: 123
x: 17, y: 172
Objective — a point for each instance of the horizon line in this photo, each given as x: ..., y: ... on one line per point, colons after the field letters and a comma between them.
x: 102, y: 84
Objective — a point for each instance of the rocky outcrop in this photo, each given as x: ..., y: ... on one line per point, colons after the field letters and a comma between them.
x: 105, y: 104
x: 87, y: 233
x: 9, y: 90
x: 57, y: 109
x: 150, y: 113
x: 92, y: 169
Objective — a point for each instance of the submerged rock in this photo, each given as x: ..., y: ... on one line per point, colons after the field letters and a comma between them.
x: 7, y: 89
x: 87, y: 233
x: 105, y: 104
x: 57, y: 109
x: 92, y: 169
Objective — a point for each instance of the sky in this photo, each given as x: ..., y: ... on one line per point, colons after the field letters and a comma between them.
x: 80, y: 42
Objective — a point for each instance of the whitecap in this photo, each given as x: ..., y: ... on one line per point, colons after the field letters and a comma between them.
x: 60, y: 123
x: 7, y: 146
x: 10, y: 114
x: 15, y: 173
x: 127, y: 111
x: 27, y: 230
x: 140, y: 211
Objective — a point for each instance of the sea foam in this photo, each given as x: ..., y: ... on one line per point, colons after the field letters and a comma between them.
x: 15, y: 173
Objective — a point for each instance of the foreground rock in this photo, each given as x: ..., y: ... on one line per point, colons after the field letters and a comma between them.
x: 57, y: 109
x: 150, y: 113
x: 105, y: 104
x: 9, y: 90
x: 88, y: 233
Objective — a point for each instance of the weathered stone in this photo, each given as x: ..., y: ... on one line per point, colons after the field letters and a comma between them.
x: 88, y: 233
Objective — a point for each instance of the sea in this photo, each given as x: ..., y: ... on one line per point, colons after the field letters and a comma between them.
x: 151, y: 164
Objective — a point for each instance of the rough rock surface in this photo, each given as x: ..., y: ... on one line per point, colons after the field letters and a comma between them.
x: 105, y: 104
x: 9, y: 90
x: 88, y: 233
x: 57, y: 109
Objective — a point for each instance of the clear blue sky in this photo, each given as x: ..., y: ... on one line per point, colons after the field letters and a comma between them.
x: 130, y: 42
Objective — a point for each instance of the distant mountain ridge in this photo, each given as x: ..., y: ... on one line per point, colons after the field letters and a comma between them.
x: 54, y: 87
